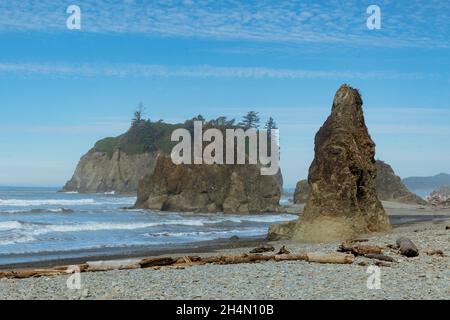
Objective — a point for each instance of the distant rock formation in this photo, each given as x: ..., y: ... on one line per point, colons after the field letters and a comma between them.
x: 208, y: 188
x: 98, y: 172
x: 425, y: 185
x: 389, y: 187
x: 301, y: 191
x: 343, y: 202
x: 440, y: 197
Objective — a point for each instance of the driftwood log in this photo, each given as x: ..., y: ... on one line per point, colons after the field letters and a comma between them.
x: 359, y: 250
x: 382, y: 257
x: 438, y: 253
x: 263, y: 248
x: 181, y: 262
x: 339, y: 258
x: 407, y: 247
x: 157, y: 262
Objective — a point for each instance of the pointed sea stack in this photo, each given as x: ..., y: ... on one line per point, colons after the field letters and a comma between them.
x: 343, y: 201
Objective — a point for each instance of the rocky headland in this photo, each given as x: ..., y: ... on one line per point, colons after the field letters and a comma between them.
x: 117, y: 164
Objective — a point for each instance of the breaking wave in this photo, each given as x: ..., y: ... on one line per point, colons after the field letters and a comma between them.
x: 43, y: 202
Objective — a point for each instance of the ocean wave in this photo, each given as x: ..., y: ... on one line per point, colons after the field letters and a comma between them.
x: 262, y: 218
x: 98, y: 226
x: 41, y: 228
x: 10, y: 225
x: 17, y: 239
x: 58, y: 210
x: 45, y: 202
x: 206, y: 233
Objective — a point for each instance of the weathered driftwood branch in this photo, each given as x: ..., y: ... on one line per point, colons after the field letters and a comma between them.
x: 407, y: 247
x: 438, y: 253
x: 263, y: 248
x: 158, y: 262
x: 334, y: 257
x: 382, y: 257
x: 359, y: 250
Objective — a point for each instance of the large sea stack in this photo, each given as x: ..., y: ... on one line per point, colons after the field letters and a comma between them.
x: 343, y: 201
x: 208, y: 188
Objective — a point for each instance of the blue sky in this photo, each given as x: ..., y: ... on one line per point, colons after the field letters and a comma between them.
x: 61, y: 90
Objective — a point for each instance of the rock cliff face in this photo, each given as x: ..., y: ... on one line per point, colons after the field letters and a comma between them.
x: 301, y: 191
x: 389, y: 187
x: 98, y: 172
x: 343, y: 202
x: 118, y: 163
x: 208, y: 188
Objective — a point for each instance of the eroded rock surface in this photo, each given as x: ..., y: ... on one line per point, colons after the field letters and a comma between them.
x: 208, y: 188
x: 343, y: 201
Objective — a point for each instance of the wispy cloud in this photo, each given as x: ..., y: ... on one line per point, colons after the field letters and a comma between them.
x: 420, y: 24
x: 85, y: 129
x: 201, y: 71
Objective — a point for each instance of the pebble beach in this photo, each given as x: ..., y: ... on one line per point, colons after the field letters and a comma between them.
x: 423, y: 277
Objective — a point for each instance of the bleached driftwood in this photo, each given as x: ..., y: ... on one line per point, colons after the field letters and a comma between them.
x: 181, y: 262
x: 340, y: 258
x: 359, y: 250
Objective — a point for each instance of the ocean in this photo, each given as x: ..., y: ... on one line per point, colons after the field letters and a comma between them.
x: 42, y: 224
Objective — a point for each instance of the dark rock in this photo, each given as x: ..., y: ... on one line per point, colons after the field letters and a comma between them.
x: 208, y: 188
x: 407, y: 247
x: 234, y: 238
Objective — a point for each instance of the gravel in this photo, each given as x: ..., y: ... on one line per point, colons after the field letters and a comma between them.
x: 423, y: 277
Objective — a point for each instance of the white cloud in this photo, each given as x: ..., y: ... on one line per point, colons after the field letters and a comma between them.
x: 417, y: 25
x: 104, y: 128
x: 202, y: 71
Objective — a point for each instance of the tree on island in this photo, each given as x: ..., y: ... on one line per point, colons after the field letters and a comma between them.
x: 138, y: 115
x: 270, y: 124
x: 251, y: 120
